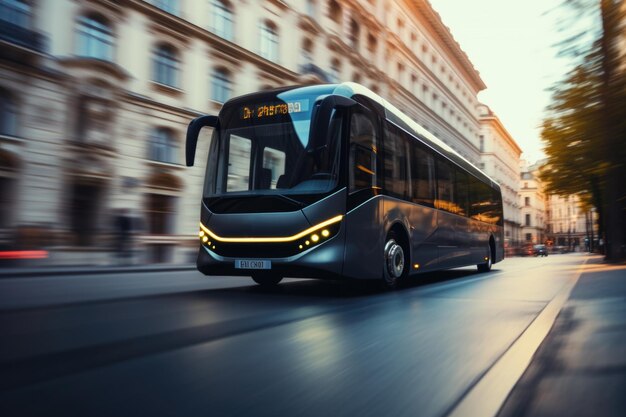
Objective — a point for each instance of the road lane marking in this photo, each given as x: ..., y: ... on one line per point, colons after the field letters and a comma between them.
x: 488, y: 394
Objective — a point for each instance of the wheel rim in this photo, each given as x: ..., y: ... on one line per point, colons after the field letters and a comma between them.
x: 394, y: 259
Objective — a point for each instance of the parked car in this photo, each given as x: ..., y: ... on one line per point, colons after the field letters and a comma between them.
x: 559, y: 249
x: 540, y: 250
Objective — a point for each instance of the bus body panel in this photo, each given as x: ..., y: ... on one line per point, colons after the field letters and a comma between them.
x: 258, y: 224
x: 326, y: 208
x: 364, y: 240
x: 463, y: 234
x: 447, y: 245
x: 423, y: 221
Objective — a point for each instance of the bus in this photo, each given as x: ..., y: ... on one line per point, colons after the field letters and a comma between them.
x: 333, y: 182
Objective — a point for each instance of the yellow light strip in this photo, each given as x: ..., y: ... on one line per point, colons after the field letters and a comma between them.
x: 272, y: 239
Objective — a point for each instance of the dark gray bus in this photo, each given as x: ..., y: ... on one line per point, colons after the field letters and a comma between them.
x: 332, y: 181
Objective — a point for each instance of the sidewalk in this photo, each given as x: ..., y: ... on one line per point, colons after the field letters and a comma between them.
x: 18, y: 272
x: 580, y: 368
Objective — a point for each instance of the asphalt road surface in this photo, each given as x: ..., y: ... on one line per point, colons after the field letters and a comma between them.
x: 179, y: 343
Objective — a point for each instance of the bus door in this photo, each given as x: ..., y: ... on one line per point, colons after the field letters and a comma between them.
x: 363, y: 210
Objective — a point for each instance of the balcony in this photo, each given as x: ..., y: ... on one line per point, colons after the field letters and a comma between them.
x: 20, y: 40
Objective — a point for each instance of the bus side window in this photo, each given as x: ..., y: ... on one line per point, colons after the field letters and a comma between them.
x: 363, y: 148
x: 422, y: 176
x: 445, y: 186
x: 396, y: 163
x: 480, y: 200
x: 462, y: 187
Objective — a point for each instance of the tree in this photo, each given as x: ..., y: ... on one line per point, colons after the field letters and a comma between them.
x: 585, y: 130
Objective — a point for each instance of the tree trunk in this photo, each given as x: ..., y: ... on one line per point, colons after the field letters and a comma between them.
x: 612, y: 132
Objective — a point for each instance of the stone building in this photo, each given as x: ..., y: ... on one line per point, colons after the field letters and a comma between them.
x: 533, y: 203
x: 500, y: 159
x: 96, y: 96
x: 568, y: 226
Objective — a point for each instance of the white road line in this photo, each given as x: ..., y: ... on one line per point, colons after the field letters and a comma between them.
x: 487, y: 396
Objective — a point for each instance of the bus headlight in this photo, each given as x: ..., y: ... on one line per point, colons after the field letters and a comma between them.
x: 318, y: 237
x: 278, y: 246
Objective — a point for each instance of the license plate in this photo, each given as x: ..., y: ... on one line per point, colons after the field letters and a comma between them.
x: 253, y: 264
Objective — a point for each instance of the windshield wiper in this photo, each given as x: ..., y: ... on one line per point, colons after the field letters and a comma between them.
x: 291, y: 200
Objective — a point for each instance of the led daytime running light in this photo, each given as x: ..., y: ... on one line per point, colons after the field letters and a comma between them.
x: 271, y: 239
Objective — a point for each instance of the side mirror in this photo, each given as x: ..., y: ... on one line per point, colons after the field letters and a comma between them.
x: 321, y: 121
x: 192, y: 135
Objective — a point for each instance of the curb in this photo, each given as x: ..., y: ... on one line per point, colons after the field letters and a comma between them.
x: 90, y: 270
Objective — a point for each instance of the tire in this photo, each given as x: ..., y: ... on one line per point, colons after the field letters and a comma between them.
x: 486, y: 267
x: 395, y: 262
x: 267, y: 280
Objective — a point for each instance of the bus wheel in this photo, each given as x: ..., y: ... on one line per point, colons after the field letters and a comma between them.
x: 486, y: 267
x: 267, y: 280
x: 395, y: 262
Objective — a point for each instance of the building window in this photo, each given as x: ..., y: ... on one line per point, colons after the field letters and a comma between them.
x: 161, y: 214
x: 482, y: 143
x: 95, y: 38
x: 306, y: 57
x: 222, y: 24
x: 527, y: 201
x: 166, y: 65
x: 529, y: 237
x: 310, y: 8
x: 163, y: 146
x: 355, y: 33
x: 372, y: 43
x: 8, y: 114
x: 269, y: 41
x: 221, y: 87
x: 15, y: 11
x: 85, y: 211
x: 527, y: 222
x: 170, y: 6
x: 335, y: 69
x: 400, y: 73
x: 335, y: 12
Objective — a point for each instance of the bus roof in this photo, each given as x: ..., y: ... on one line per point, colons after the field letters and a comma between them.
x: 396, y: 116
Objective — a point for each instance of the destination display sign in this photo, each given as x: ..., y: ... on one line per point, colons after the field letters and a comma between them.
x: 268, y: 110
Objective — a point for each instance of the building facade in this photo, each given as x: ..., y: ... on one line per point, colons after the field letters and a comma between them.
x: 96, y: 96
x: 533, y: 203
x: 568, y: 226
x: 500, y: 159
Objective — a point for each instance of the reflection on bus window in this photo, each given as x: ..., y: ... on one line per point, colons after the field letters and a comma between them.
x: 274, y: 161
x: 363, y: 150
x: 238, y: 163
x: 422, y: 176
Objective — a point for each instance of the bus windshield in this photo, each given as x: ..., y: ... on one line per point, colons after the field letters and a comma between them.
x: 264, y: 147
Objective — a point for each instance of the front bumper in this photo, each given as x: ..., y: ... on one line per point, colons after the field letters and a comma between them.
x: 323, y: 261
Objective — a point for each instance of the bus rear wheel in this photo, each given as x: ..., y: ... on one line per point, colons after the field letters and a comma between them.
x: 395, y: 262
x: 267, y: 280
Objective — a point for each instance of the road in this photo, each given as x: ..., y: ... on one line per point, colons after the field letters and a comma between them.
x: 179, y: 343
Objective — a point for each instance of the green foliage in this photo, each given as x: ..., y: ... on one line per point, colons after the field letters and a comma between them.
x: 585, y: 129
x: 572, y: 134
